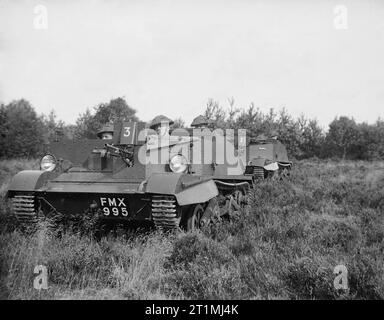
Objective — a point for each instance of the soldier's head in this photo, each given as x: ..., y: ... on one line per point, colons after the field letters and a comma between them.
x: 274, y: 134
x: 200, y: 122
x: 161, y: 124
x: 107, y: 135
x: 106, y: 132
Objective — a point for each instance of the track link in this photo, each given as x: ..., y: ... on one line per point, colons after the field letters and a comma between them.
x: 164, y: 212
x: 24, y: 208
x: 258, y: 173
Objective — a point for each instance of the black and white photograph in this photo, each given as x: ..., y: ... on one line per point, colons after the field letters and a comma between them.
x: 193, y: 155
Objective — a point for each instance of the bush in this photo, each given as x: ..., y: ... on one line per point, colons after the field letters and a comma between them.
x: 203, y: 268
x: 310, y: 279
x: 22, y: 131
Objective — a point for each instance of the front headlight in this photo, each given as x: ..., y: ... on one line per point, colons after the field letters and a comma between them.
x: 48, y: 163
x: 178, y: 164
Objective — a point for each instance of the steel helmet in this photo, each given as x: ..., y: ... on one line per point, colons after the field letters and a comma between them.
x: 158, y: 120
x: 107, y: 128
x: 200, y: 121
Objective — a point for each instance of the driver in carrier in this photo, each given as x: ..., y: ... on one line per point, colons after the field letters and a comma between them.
x: 161, y: 125
x: 106, y: 132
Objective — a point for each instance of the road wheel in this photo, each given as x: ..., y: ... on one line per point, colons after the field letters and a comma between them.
x: 274, y: 175
x: 194, y: 217
x: 239, y: 197
x: 237, y: 202
x: 211, y: 213
x: 284, y: 174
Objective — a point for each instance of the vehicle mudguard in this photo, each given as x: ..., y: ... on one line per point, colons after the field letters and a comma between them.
x: 285, y: 164
x: 29, y: 180
x: 186, y: 188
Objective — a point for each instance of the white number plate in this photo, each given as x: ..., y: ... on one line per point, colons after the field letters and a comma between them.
x: 114, y: 207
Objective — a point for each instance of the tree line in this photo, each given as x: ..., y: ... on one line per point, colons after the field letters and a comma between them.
x: 23, y: 132
x: 304, y: 137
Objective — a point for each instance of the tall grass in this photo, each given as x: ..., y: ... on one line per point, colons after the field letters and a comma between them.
x: 284, y: 245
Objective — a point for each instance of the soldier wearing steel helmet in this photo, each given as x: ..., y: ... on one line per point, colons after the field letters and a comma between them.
x: 274, y: 134
x: 200, y: 122
x: 106, y: 132
x: 261, y: 137
x: 161, y: 124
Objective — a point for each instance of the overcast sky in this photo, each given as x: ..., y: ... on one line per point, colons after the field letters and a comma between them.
x: 169, y: 57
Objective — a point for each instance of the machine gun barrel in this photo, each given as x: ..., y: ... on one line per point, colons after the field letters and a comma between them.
x: 116, y: 149
x: 126, y: 155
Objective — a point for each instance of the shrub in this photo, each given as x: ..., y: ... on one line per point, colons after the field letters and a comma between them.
x: 310, y: 279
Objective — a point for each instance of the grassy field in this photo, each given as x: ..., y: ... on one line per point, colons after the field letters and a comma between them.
x: 284, y: 246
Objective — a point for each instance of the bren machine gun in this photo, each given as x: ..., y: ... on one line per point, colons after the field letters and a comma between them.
x: 126, y: 154
x: 105, y: 177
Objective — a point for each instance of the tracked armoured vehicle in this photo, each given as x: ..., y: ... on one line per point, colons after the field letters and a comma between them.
x: 268, y: 158
x: 131, y: 175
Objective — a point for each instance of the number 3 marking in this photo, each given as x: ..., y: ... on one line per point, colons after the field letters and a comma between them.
x: 127, y: 131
